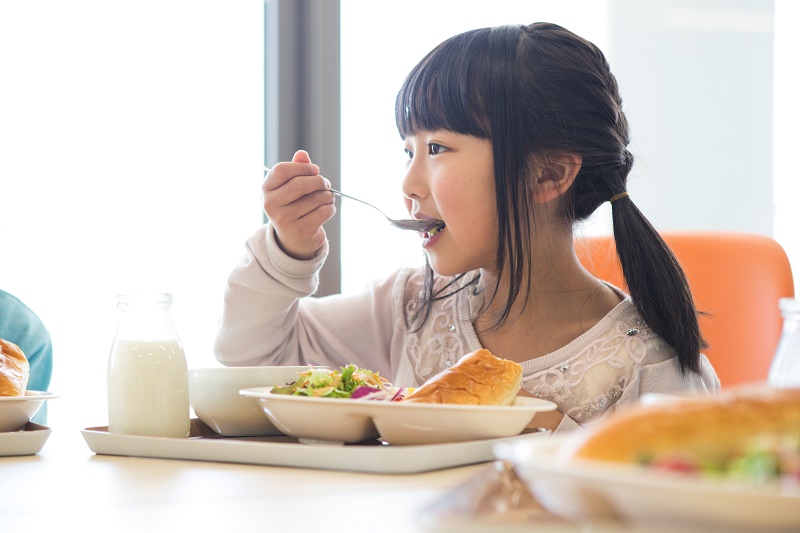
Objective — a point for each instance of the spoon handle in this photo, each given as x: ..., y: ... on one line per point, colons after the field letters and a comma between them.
x: 337, y: 193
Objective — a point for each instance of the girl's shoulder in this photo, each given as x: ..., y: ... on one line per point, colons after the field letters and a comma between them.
x: 621, y: 338
x: 589, y: 375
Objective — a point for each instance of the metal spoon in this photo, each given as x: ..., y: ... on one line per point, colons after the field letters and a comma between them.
x: 424, y: 225
x: 415, y: 224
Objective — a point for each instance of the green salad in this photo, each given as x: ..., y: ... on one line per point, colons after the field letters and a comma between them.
x: 347, y: 382
x: 761, y: 459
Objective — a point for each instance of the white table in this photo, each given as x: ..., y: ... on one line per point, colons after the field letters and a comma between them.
x: 67, y: 487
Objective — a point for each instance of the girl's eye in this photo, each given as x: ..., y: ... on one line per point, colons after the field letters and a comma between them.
x: 409, y: 153
x: 435, y: 148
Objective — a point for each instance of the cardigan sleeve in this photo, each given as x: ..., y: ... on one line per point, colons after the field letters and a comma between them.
x: 664, y: 377
x: 270, y: 317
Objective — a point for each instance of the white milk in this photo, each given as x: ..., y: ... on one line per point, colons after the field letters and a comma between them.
x: 148, y: 391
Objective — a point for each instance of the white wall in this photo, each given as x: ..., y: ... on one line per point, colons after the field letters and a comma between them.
x: 696, y: 80
x: 786, y: 113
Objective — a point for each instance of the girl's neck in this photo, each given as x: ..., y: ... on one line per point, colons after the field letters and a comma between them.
x: 563, y: 301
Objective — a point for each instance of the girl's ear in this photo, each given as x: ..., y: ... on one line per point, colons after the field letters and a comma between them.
x: 555, y: 175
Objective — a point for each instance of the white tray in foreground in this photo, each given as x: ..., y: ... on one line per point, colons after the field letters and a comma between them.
x: 372, y: 457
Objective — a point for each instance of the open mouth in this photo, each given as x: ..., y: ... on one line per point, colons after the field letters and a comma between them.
x: 434, y: 230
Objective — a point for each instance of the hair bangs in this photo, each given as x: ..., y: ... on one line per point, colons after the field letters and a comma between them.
x: 445, y: 91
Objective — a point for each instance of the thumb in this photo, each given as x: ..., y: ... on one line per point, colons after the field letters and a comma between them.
x: 301, y: 156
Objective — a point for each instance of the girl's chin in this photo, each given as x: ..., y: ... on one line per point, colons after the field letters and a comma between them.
x: 441, y: 268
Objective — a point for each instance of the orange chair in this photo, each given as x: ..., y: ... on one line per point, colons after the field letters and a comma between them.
x: 736, y: 278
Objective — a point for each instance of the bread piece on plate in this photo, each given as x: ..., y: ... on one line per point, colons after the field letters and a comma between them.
x: 707, y: 429
x: 478, y: 378
x: 14, y: 370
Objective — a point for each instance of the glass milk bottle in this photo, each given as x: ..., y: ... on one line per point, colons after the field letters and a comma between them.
x: 148, y: 390
x: 785, y: 370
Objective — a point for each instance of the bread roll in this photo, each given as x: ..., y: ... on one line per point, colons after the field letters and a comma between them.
x: 478, y: 378
x: 706, y: 430
x: 14, y: 370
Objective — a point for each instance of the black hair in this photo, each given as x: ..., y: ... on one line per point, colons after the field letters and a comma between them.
x: 539, y: 90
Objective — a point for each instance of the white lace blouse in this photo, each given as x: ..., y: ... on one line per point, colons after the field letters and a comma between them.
x: 268, y: 319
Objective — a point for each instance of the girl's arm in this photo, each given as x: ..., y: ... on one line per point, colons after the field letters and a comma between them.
x: 661, y: 376
x: 268, y: 317
x: 659, y: 373
x: 664, y: 377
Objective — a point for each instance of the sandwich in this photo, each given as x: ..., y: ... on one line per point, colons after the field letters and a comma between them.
x: 751, y: 433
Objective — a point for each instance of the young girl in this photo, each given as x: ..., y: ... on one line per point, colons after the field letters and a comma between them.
x: 513, y: 135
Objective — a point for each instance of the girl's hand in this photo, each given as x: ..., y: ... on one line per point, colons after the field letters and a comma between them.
x: 547, y: 419
x: 297, y: 202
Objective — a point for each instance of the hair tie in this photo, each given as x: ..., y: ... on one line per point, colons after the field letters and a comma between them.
x: 618, y: 196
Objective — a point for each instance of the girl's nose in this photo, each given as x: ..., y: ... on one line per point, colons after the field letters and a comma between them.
x: 414, y: 185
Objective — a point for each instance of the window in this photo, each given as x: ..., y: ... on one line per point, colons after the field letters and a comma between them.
x: 131, y: 144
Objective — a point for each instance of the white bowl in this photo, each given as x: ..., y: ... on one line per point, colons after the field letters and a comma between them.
x: 214, y: 396
x: 16, y: 411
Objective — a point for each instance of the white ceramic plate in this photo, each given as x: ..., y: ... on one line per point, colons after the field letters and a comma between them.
x: 16, y: 411
x: 346, y: 420
x: 598, y: 491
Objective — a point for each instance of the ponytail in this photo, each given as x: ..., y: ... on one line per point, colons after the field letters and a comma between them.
x: 656, y: 283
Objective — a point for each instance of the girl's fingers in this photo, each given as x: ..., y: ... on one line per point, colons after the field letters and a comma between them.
x: 297, y: 202
x: 303, y: 189
x: 298, y: 226
x: 284, y: 172
x: 290, y: 208
x: 301, y: 156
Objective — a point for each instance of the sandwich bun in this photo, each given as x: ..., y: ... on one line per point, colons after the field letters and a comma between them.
x: 14, y: 370
x: 478, y: 378
x: 705, y: 430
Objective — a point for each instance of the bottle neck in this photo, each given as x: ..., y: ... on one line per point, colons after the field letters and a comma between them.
x: 145, y: 317
x: 157, y: 300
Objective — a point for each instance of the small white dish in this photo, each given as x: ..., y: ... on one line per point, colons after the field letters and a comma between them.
x: 214, y: 396
x: 16, y: 411
x: 27, y: 441
x: 589, y: 491
x: 397, y: 423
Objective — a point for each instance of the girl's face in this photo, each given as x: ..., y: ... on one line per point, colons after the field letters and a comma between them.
x: 450, y: 177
